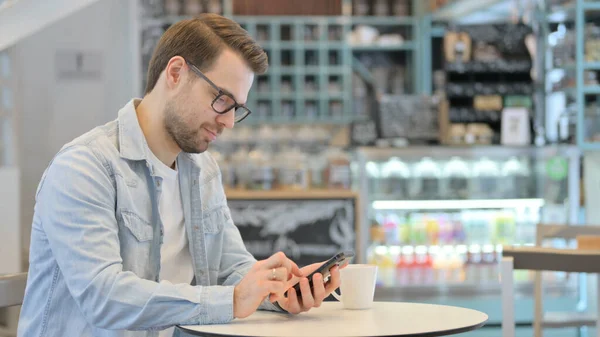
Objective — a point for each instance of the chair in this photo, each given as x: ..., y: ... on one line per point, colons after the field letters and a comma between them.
x: 520, y: 260
x: 12, y: 291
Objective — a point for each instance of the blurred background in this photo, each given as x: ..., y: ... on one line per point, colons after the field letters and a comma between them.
x: 423, y: 134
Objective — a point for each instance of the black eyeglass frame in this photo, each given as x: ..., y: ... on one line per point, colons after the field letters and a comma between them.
x: 221, y: 93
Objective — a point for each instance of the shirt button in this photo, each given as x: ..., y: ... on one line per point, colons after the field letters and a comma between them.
x: 196, y: 227
x: 195, y: 182
x: 158, y: 183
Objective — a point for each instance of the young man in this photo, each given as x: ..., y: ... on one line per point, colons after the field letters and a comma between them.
x: 131, y: 229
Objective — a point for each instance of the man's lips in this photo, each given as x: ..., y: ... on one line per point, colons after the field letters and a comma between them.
x: 211, y: 134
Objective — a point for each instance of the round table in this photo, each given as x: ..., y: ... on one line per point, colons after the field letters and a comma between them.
x: 331, y: 319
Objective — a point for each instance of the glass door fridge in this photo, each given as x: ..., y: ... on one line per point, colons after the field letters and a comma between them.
x: 435, y: 220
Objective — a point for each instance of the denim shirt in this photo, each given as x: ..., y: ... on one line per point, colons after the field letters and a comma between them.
x: 97, y: 234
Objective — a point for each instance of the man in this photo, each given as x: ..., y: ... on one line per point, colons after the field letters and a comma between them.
x: 131, y: 229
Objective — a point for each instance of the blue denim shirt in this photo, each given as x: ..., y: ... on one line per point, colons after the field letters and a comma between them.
x: 96, y: 239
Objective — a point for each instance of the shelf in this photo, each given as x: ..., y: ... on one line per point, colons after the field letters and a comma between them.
x: 591, y: 90
x: 457, y: 204
x: 488, y: 67
x: 459, y: 9
x: 445, y: 152
x: 562, y: 14
x: 262, y: 95
x: 589, y: 146
x: 290, y: 194
x: 591, y: 6
x: 591, y: 66
x: 383, y: 20
x: 376, y: 47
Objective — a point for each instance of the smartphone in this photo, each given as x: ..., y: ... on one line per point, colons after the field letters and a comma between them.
x: 337, y: 260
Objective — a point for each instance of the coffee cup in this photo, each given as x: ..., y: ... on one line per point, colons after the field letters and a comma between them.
x: 357, y: 286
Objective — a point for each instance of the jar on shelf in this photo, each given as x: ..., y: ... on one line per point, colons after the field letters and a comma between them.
x: 517, y: 180
x: 426, y: 182
x: 486, y: 179
x: 337, y: 172
x: 456, y: 177
x: 240, y: 169
x: 262, y: 175
x: 292, y: 170
x: 227, y: 178
x: 395, y: 178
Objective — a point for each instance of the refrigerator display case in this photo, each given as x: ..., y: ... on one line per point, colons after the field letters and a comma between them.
x: 435, y: 218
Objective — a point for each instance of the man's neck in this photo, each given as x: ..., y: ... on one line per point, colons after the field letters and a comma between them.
x: 161, y: 144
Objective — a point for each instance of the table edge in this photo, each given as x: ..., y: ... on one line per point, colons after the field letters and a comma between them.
x: 426, y: 334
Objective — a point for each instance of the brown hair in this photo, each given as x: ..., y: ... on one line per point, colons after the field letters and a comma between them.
x: 200, y: 41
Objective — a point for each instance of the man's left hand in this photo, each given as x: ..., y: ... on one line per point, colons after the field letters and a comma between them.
x: 307, y: 299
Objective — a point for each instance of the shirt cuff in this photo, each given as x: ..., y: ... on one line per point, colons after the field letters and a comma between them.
x: 218, y: 304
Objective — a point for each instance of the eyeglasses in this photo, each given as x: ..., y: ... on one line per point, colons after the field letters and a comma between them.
x: 224, y: 101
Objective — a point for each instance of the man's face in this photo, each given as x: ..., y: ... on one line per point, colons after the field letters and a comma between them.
x: 189, y: 118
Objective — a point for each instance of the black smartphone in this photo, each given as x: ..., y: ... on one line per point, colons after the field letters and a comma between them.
x: 337, y: 260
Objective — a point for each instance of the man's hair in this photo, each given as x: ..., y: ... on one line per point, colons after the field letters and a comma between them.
x: 200, y: 41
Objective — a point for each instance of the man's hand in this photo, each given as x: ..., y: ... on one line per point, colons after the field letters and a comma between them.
x: 266, y: 278
x: 297, y: 303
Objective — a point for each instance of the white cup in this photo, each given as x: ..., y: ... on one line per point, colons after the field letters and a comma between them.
x: 357, y: 286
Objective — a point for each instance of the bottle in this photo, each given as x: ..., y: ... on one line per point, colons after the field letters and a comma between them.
x: 504, y: 231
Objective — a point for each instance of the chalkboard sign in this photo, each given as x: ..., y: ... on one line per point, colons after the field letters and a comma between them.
x: 306, y: 230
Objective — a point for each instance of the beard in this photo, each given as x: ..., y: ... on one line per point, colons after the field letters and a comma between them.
x: 184, y: 135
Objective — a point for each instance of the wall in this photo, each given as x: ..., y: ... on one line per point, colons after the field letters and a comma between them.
x: 54, y: 110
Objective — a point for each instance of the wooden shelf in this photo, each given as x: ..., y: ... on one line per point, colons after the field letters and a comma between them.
x: 290, y: 194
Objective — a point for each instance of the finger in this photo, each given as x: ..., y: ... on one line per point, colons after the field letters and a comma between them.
x: 318, y: 290
x: 275, y: 274
x: 276, y: 260
x: 307, y: 298
x: 293, y: 304
x: 280, y: 260
x: 334, y: 280
x: 275, y: 288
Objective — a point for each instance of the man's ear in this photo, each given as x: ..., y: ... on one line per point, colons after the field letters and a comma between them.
x: 174, y: 71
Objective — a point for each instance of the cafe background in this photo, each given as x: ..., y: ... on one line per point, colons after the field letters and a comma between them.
x: 425, y: 135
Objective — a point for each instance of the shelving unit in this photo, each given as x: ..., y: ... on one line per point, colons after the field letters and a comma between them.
x: 311, y: 62
x: 583, y: 91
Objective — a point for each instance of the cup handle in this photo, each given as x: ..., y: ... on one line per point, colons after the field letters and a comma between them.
x: 335, y: 294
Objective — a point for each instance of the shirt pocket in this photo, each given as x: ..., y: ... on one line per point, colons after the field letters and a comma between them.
x: 214, y: 220
x: 141, y: 229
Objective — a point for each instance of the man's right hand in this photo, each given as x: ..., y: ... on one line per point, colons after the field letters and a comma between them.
x: 266, y: 278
